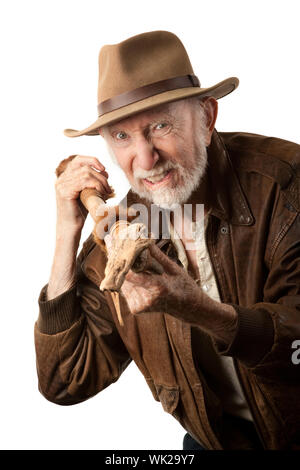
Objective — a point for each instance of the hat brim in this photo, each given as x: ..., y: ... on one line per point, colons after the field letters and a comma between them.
x: 217, y: 91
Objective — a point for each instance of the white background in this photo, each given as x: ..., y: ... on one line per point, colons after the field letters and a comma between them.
x: 49, y: 53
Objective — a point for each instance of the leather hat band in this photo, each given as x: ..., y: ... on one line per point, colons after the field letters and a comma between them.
x: 146, y: 91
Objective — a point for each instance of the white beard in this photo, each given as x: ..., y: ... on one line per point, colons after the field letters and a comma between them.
x: 169, y: 198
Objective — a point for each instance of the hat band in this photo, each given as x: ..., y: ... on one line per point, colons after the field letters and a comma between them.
x: 146, y: 91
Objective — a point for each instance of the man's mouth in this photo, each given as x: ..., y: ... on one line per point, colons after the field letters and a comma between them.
x: 157, y: 180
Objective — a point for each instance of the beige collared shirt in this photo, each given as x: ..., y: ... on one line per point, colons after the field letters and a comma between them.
x: 219, y: 370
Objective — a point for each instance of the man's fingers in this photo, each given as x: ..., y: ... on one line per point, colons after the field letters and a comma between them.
x: 169, y: 265
x: 80, y: 160
x: 140, y: 279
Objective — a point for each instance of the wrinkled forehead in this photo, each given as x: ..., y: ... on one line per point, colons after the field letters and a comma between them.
x: 163, y: 111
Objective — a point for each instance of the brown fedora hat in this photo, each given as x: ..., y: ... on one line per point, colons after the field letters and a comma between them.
x: 142, y: 72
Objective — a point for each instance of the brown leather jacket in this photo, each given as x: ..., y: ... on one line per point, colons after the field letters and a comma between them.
x: 253, y: 238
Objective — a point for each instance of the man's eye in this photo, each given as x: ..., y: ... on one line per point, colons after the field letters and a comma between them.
x: 161, y: 125
x: 121, y: 135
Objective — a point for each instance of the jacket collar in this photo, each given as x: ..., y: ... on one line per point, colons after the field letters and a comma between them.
x: 228, y: 200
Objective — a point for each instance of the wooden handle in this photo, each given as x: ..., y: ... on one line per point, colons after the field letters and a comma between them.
x: 91, y: 199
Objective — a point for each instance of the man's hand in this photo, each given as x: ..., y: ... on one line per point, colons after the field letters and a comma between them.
x: 173, y: 291
x: 176, y: 293
x: 73, y: 175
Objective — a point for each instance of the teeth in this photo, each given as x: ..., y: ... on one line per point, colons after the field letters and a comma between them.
x: 156, y: 178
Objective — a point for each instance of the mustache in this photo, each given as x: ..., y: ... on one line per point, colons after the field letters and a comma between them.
x: 168, y: 165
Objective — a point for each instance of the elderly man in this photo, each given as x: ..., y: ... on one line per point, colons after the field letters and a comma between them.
x: 214, y: 334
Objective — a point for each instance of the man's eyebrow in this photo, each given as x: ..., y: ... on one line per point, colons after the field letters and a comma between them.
x: 155, y: 115
x: 112, y: 127
x: 164, y: 115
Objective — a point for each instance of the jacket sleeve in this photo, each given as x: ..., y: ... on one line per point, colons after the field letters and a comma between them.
x: 78, y: 349
x: 267, y: 331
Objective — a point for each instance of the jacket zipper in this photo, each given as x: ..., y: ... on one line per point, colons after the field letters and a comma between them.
x: 212, y: 259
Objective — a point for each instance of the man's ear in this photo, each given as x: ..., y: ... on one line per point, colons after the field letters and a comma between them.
x: 100, y: 130
x: 211, y: 111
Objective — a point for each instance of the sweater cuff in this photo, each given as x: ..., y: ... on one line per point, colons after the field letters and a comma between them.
x: 253, y: 339
x: 57, y: 314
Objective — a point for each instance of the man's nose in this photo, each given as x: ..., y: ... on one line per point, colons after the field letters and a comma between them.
x: 146, y: 155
